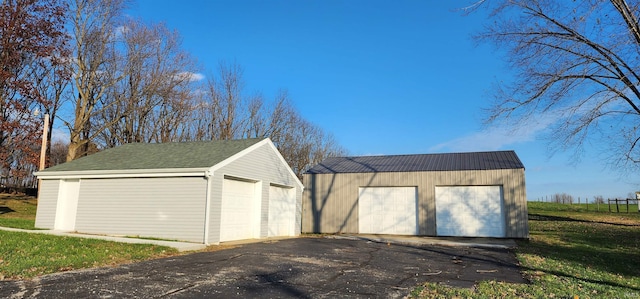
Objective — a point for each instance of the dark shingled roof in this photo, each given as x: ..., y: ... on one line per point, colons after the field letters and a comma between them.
x: 199, y: 154
x: 424, y: 162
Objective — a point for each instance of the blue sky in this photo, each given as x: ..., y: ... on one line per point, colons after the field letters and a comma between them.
x: 384, y: 77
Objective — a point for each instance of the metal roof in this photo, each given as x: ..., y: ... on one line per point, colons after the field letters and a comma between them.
x: 199, y: 154
x: 422, y: 162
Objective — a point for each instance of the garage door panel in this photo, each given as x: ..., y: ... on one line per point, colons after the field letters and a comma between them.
x: 387, y: 210
x: 282, y: 205
x: 238, y: 203
x: 470, y: 211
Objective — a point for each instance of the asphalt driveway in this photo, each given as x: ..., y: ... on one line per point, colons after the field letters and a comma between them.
x: 300, y: 268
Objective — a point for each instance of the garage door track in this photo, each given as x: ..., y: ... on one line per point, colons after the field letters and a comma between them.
x: 301, y: 268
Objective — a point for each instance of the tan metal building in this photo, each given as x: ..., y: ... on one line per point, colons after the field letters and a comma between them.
x: 479, y: 194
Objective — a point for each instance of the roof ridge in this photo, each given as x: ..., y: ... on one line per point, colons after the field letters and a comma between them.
x: 427, y: 154
x: 185, y: 142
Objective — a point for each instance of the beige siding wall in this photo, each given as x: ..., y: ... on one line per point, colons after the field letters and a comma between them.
x: 330, y: 201
x: 168, y: 208
x: 264, y: 166
x: 47, y: 202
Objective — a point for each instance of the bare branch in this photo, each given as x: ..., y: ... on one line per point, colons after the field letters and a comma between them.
x: 576, y: 63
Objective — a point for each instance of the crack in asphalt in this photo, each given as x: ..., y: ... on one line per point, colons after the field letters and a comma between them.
x: 178, y: 290
x: 356, y: 266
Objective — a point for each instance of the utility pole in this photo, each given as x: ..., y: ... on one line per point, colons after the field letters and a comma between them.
x: 43, y: 148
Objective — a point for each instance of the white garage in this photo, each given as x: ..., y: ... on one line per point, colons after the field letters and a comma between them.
x: 388, y: 210
x: 204, y: 192
x: 470, y: 211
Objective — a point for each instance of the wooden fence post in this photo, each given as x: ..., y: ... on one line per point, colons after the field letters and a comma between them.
x: 627, y: 200
x: 586, y: 200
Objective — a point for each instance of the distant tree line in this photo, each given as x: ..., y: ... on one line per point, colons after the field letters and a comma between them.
x: 112, y: 79
x: 565, y: 198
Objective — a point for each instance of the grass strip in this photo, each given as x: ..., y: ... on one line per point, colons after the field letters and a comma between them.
x: 17, y: 223
x: 26, y: 255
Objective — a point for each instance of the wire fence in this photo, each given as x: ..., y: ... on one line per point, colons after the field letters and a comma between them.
x: 596, y: 203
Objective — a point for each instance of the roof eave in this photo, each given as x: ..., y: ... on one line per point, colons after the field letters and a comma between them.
x: 122, y: 173
x: 428, y: 170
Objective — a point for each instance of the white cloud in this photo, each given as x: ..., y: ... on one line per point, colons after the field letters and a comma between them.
x: 121, y: 30
x: 59, y: 135
x: 502, y: 135
x: 499, y: 136
x: 192, y: 77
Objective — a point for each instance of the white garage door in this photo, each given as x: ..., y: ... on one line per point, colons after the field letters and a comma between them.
x: 387, y: 210
x: 239, y: 203
x: 470, y: 211
x: 67, y: 206
x: 282, y: 211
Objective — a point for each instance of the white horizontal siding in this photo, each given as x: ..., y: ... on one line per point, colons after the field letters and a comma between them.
x: 47, y: 202
x: 167, y: 208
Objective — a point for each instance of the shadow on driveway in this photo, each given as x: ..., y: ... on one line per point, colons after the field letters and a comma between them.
x: 300, y: 268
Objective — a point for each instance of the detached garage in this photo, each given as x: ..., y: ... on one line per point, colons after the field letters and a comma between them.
x: 478, y: 194
x: 204, y: 192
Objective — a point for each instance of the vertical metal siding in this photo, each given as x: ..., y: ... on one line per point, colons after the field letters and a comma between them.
x: 167, y: 208
x: 47, y: 203
x: 261, y: 164
x: 330, y: 200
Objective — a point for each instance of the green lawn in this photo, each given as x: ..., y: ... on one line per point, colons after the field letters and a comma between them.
x: 571, y: 253
x: 17, y: 211
x: 25, y: 255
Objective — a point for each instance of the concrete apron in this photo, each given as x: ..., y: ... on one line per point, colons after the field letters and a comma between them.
x: 425, y: 241
x: 395, y: 239
x: 180, y: 246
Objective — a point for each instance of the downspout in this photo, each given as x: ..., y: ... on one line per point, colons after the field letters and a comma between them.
x: 207, y: 174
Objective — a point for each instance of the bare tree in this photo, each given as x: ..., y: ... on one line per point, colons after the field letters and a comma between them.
x: 598, y: 199
x: 95, y: 33
x: 51, y: 77
x: 562, y: 198
x: 172, y: 118
x: 577, y: 68
x: 226, y: 102
x: 152, y: 99
x: 256, y: 124
x: 57, y: 153
x: 225, y: 112
x: 301, y: 143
